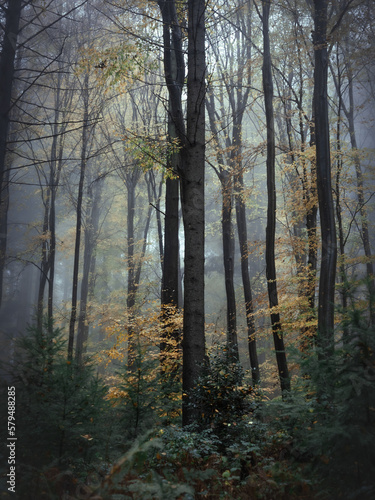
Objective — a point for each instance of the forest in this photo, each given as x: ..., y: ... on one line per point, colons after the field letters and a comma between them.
x: 187, y: 284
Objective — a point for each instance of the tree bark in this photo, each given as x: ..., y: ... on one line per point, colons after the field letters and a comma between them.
x: 91, y: 237
x: 192, y: 197
x: 228, y: 257
x: 323, y: 170
x: 83, y: 162
x: 225, y: 176
x: 244, y: 251
x: 174, y: 69
x: 271, y: 208
x: 191, y: 175
x: 7, y: 60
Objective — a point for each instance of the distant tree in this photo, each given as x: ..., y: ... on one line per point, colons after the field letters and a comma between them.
x: 91, y: 235
x: 26, y: 29
x: 227, y: 100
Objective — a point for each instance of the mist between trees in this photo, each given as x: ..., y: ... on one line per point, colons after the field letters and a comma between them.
x: 187, y: 193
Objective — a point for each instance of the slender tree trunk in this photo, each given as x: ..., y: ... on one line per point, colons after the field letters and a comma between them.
x: 343, y: 278
x: 91, y: 237
x: 156, y: 197
x: 323, y: 169
x: 312, y: 241
x: 271, y: 210
x: 130, y: 300
x: 3, y: 229
x: 225, y: 176
x: 73, y: 315
x: 244, y: 251
x: 134, y: 273
x: 228, y: 257
x: 361, y: 199
x: 44, y: 264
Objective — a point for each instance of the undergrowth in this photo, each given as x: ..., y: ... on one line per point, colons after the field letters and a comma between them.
x: 316, y: 442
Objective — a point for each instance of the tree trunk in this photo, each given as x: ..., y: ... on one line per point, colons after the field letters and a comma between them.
x: 225, y: 176
x: 7, y: 59
x: 130, y: 299
x: 192, y: 200
x: 361, y: 199
x: 228, y: 256
x: 83, y: 162
x: 174, y: 69
x: 91, y: 237
x: 244, y: 251
x: 271, y: 209
x: 323, y: 170
x: 312, y: 242
x: 134, y: 270
x: 191, y: 174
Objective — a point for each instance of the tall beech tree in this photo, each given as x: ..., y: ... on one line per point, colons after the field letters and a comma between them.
x: 174, y: 69
x: 271, y: 206
x: 77, y: 247
x: 225, y: 176
x: 323, y: 173
x: 191, y: 175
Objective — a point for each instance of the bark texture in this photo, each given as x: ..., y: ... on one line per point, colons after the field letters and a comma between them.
x: 192, y: 196
x: 323, y: 172
x: 271, y: 208
x: 7, y: 65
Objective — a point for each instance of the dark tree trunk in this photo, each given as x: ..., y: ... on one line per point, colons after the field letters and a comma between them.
x: 156, y: 195
x: 4, y: 204
x: 225, y: 176
x: 341, y: 238
x: 7, y: 59
x: 84, y: 139
x: 191, y: 174
x: 44, y: 264
x: 174, y: 69
x: 312, y: 242
x: 244, y: 251
x: 192, y: 201
x: 323, y: 171
x: 271, y: 209
x: 228, y: 256
x: 171, y: 336
x: 91, y: 238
